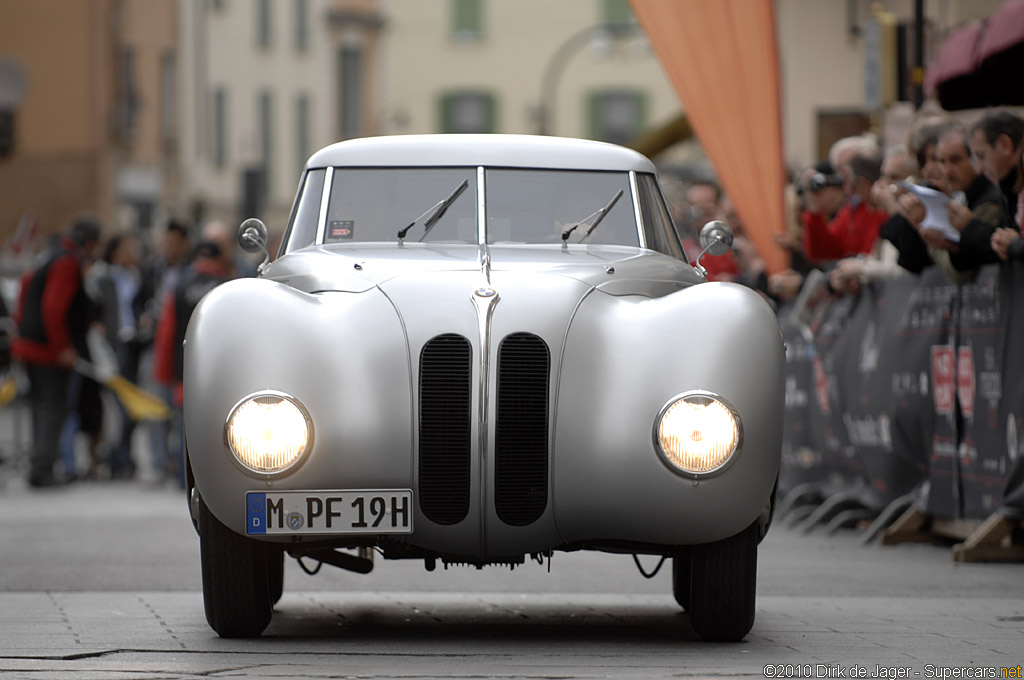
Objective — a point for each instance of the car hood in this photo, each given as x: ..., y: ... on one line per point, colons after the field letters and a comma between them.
x: 617, y: 270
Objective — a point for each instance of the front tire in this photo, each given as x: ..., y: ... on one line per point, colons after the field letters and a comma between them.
x: 681, y: 571
x: 236, y: 579
x: 275, y: 573
x: 723, y: 586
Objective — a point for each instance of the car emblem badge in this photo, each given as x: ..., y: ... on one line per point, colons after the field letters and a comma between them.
x: 485, y: 292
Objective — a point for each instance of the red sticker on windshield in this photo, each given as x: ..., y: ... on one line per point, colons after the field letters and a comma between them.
x: 341, y: 230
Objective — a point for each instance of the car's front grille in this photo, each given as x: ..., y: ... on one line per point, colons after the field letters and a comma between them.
x: 521, y: 429
x: 445, y: 410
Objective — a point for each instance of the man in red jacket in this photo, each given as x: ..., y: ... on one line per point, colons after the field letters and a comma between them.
x: 855, y: 227
x: 207, y: 271
x: 53, y: 317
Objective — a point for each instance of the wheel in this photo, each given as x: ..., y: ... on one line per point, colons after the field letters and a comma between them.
x: 723, y: 585
x: 236, y: 583
x: 275, y: 573
x: 681, y: 570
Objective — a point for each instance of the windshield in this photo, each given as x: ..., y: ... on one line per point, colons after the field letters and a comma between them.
x: 374, y: 204
x: 539, y: 206
x: 439, y: 205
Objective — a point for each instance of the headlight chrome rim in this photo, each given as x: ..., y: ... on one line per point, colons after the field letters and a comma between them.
x: 265, y: 474
x: 666, y: 459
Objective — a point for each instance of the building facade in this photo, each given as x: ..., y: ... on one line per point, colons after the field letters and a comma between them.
x: 265, y: 83
x: 93, y: 127
x: 137, y: 109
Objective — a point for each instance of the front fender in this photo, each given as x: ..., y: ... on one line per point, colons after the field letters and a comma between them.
x: 627, y: 357
x: 342, y: 355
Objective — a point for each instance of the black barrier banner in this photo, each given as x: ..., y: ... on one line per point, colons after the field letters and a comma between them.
x: 913, y: 383
x: 981, y: 326
x: 801, y: 460
x: 1011, y: 410
x: 832, y: 329
x: 926, y: 328
x: 886, y: 391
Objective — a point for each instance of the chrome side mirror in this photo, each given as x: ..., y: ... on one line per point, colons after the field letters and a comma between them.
x: 253, y: 237
x: 715, y: 238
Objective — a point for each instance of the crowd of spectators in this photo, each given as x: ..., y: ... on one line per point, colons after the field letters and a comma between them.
x: 950, y: 196
x: 90, y: 307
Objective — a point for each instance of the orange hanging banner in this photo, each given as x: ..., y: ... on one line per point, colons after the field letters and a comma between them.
x: 721, y: 57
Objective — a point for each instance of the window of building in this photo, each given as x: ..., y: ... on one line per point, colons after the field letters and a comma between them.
x: 616, y: 116
x: 350, y: 90
x: 266, y: 131
x: 127, y: 96
x: 168, y: 99
x: 301, y: 25
x: 263, y: 30
x: 616, y: 12
x: 302, y: 123
x: 468, y: 112
x: 467, y: 20
x: 220, y: 127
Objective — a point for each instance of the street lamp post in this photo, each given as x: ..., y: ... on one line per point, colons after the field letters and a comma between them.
x: 557, y: 63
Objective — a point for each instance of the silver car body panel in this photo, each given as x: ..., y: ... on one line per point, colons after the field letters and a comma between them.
x: 341, y: 328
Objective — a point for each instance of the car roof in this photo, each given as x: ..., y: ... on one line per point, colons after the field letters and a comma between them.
x: 511, y: 151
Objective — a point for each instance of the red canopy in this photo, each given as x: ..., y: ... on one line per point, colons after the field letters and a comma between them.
x: 980, y: 64
x: 1005, y: 29
x: 959, y: 57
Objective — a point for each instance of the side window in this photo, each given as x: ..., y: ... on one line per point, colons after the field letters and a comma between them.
x: 302, y: 228
x: 658, y: 227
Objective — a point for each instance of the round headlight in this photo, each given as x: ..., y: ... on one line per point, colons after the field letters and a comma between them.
x: 268, y: 432
x: 698, y: 432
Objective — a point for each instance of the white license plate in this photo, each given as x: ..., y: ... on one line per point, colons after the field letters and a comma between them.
x: 364, y: 511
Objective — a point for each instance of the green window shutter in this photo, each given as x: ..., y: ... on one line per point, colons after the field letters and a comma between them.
x: 594, y: 127
x: 468, y: 111
x: 617, y: 12
x: 617, y: 115
x: 444, y: 113
x: 467, y: 19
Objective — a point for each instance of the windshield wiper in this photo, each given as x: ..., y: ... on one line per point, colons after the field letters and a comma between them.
x: 435, y: 211
x: 600, y: 216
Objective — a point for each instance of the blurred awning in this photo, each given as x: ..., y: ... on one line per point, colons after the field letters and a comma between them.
x: 954, y: 75
x: 1002, y: 54
x: 722, y: 60
x: 1005, y: 30
x: 980, y: 64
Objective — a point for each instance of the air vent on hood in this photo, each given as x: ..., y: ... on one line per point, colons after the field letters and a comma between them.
x: 521, y: 430
x: 445, y: 427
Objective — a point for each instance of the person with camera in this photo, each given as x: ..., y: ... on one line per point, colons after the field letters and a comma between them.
x: 854, y: 228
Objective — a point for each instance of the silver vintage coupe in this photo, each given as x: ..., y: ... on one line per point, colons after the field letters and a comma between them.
x: 476, y: 349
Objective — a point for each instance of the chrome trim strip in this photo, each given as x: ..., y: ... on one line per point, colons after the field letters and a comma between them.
x: 634, y: 191
x: 481, y: 207
x: 325, y: 200
x: 484, y: 299
x: 484, y: 257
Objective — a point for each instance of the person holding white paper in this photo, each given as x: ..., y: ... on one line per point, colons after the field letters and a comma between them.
x: 976, y: 219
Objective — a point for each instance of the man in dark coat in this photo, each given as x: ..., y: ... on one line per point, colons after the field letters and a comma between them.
x: 207, y: 271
